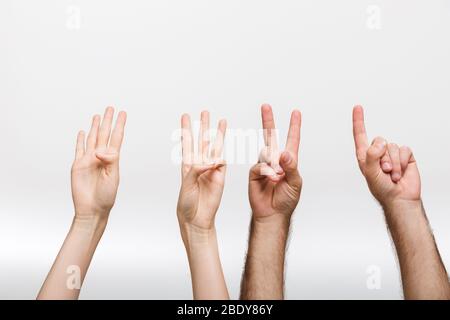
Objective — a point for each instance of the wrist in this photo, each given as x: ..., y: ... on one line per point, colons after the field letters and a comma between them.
x: 271, y: 227
x: 406, y: 219
x: 401, y: 208
x: 194, y: 236
x: 89, y: 223
x: 278, y: 220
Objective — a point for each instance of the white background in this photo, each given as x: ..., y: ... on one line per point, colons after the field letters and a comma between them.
x: 158, y: 59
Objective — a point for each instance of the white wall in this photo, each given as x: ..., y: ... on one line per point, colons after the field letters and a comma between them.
x: 158, y: 59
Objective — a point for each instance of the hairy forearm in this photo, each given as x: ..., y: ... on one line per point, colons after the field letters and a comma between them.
x: 208, y: 281
x: 263, y: 277
x: 423, y: 272
x: 70, y: 267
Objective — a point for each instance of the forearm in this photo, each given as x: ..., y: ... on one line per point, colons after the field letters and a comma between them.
x: 423, y: 272
x: 70, y: 267
x: 263, y: 277
x: 208, y: 281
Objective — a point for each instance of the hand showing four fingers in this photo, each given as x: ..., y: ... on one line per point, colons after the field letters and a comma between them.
x: 95, y: 172
x: 203, y: 175
x: 391, y: 172
x: 275, y: 183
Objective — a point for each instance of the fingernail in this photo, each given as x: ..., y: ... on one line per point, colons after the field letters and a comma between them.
x: 396, y: 177
x: 278, y: 169
x: 387, y: 166
x: 380, y: 145
x: 286, y: 157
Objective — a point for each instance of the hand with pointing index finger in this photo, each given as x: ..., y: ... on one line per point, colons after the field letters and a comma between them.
x: 275, y: 182
x: 391, y: 171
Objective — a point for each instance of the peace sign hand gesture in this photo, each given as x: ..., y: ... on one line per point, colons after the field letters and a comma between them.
x: 275, y: 183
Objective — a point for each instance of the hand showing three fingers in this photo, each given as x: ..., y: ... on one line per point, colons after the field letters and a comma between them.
x: 275, y: 182
x: 203, y: 175
x: 391, y: 172
x: 95, y: 172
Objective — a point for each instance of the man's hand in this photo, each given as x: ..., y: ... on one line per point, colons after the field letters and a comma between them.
x: 391, y: 171
x: 275, y: 183
x: 95, y: 172
x: 393, y: 178
x: 274, y: 191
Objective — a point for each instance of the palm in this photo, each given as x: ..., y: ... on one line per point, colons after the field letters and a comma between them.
x: 203, y: 176
x: 94, y: 185
x: 200, y: 202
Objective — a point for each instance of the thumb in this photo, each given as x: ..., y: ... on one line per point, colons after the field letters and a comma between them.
x: 289, y: 165
x: 373, y: 158
x: 107, y: 158
x: 196, y: 171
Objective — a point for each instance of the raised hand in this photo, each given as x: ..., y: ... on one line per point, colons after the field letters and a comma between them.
x: 275, y: 183
x: 95, y: 172
x: 274, y: 191
x: 95, y: 179
x: 203, y: 178
x: 203, y: 174
x: 391, y: 171
x: 393, y: 178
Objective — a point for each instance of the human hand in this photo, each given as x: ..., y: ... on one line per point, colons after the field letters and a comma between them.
x: 203, y: 175
x: 391, y: 171
x: 275, y: 183
x: 95, y: 172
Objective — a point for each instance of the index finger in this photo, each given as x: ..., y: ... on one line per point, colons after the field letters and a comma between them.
x: 359, y: 133
x: 268, y: 123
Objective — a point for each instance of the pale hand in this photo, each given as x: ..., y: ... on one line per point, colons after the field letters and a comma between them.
x: 203, y: 175
x: 95, y: 172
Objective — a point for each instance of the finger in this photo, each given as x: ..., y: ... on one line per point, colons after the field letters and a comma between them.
x: 293, y: 139
x: 360, y: 135
x: 289, y: 165
x: 268, y: 156
x: 386, y: 163
x: 187, y: 141
x: 394, y: 154
x: 268, y: 123
x: 203, y: 141
x: 92, y: 136
x: 406, y: 156
x: 118, y: 132
x: 79, y: 152
x: 219, y: 141
x: 270, y: 137
x: 105, y: 128
x: 373, y: 157
x: 263, y: 171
